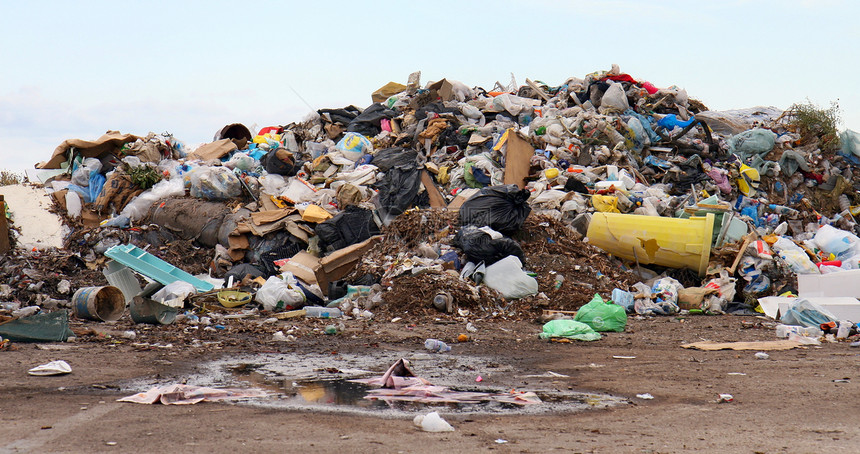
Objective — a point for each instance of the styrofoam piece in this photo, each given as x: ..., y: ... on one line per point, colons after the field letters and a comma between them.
x: 844, y: 308
x: 152, y: 266
x: 122, y: 277
x: 841, y: 283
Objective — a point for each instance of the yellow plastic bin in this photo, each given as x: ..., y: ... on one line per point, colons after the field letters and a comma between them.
x: 671, y: 242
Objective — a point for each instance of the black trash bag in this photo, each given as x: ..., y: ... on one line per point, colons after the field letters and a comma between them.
x: 451, y: 136
x: 281, y: 162
x: 398, y: 190
x: 479, y: 246
x: 387, y: 158
x: 352, y: 225
x: 268, y: 258
x: 369, y: 122
x: 575, y: 185
x: 340, y: 116
x: 241, y: 270
x: 503, y: 208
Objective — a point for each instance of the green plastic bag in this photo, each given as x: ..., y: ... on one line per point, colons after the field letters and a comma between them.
x: 602, y: 315
x: 569, y: 329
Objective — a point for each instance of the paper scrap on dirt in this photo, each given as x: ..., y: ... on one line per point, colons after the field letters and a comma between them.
x: 186, y: 394
x: 759, y: 345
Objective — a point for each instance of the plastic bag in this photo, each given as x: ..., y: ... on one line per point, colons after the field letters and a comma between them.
x: 605, y: 203
x: 507, y: 276
x: 214, y: 183
x: 614, y: 100
x: 623, y: 299
x: 834, y: 241
x: 849, y: 142
x: 393, y: 157
x: 503, y: 208
x: 81, y: 176
x: 569, y: 329
x: 174, y: 294
x: 279, y: 294
x: 353, y: 145
x: 138, y: 207
x: 794, y: 256
x: 602, y: 315
x: 398, y: 190
x: 272, y: 183
x: 754, y: 142
x: 803, y: 312
x: 479, y: 246
x: 91, y: 191
x: 665, y: 291
x: 241, y: 161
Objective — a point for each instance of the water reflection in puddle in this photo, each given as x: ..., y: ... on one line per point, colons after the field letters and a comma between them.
x: 344, y: 394
x: 323, y: 383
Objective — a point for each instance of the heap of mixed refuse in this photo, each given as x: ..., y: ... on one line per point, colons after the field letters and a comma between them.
x: 513, y: 201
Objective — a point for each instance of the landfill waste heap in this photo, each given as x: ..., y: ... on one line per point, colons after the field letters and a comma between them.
x: 441, y: 199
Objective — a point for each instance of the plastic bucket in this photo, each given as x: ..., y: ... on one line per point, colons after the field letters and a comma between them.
x: 671, y: 242
x: 145, y: 310
x: 104, y: 304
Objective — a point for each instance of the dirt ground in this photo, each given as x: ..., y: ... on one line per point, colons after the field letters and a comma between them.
x: 800, y: 400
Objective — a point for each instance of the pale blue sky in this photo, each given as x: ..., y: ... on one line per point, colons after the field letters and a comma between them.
x: 75, y: 69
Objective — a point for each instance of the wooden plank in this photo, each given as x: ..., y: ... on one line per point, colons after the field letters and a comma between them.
x: 437, y: 200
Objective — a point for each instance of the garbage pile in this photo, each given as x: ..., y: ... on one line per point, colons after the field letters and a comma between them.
x: 443, y: 198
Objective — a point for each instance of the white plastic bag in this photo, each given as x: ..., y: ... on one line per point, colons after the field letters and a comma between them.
x: 272, y: 183
x: 834, y: 241
x: 614, y: 100
x: 432, y: 422
x: 139, y: 206
x: 794, y: 256
x: 279, y: 294
x: 174, y: 294
x: 507, y: 276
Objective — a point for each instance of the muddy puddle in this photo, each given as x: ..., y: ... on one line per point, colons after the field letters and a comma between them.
x: 320, y: 382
